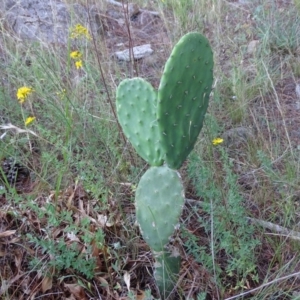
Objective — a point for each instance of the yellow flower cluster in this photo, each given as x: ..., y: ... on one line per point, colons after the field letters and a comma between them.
x: 79, y: 31
x: 217, y: 141
x: 23, y: 92
x: 29, y: 120
x: 78, y: 64
x: 76, y: 55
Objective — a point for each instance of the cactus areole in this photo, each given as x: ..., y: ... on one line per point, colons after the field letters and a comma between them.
x: 163, y: 126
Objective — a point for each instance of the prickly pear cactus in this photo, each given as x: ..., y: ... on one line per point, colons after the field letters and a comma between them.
x: 164, y: 126
x: 136, y: 109
x: 159, y: 200
x: 183, y: 96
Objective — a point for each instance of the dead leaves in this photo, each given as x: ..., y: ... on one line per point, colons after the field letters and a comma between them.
x: 47, y: 283
x: 126, y: 277
x: 83, y: 225
x: 77, y: 291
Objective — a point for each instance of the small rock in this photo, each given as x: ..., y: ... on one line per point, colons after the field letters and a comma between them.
x: 133, y: 10
x: 138, y: 52
x: 297, y: 90
x: 252, y: 46
x: 243, y: 1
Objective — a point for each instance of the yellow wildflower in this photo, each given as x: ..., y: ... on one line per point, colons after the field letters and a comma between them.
x: 23, y: 93
x: 79, y: 31
x: 217, y: 141
x: 78, y: 64
x: 76, y: 54
x: 29, y: 120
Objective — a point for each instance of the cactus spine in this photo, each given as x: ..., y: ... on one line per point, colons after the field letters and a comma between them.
x: 164, y: 126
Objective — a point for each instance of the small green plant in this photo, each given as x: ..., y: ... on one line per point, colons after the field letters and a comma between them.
x: 163, y: 127
x: 230, y: 252
x: 62, y: 254
x: 278, y: 29
x: 182, y: 10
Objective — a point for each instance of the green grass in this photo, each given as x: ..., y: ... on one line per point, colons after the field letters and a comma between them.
x: 76, y: 225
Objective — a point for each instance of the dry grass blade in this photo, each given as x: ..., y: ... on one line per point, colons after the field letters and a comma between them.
x: 17, y: 129
x: 7, y: 233
x: 282, y: 231
x: 253, y: 291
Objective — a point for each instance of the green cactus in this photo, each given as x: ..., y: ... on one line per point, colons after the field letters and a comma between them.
x: 164, y: 126
x: 159, y: 201
x: 183, y: 96
x: 159, y: 194
x: 136, y: 109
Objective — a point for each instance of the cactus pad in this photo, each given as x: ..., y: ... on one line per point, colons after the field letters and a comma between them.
x: 159, y: 201
x: 136, y: 109
x: 183, y: 96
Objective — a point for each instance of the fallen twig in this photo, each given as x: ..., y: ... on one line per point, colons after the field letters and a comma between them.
x: 277, y: 228
x: 264, y: 285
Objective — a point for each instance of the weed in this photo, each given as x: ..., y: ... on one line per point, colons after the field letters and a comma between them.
x: 68, y: 252
x: 62, y: 256
x: 227, y: 226
x: 278, y: 28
